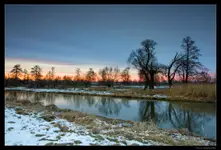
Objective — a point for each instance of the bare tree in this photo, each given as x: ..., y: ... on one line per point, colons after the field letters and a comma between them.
x: 141, y: 76
x: 16, y: 71
x: 116, y: 74
x: 203, y: 76
x: 190, y: 63
x: 174, y: 64
x: 50, y: 76
x: 91, y: 75
x: 145, y: 62
x: 26, y: 76
x: 36, y: 72
x: 125, y: 75
x: 77, y: 76
x: 52, y: 73
x: 109, y: 75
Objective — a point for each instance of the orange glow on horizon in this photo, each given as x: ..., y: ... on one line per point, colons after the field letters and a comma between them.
x: 61, y: 69
x: 64, y: 69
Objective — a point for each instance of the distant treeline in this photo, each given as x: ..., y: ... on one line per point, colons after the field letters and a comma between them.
x: 183, y: 68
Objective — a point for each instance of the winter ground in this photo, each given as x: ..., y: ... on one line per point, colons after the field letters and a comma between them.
x: 32, y: 130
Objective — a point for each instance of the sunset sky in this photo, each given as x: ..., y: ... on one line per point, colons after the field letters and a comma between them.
x: 94, y: 36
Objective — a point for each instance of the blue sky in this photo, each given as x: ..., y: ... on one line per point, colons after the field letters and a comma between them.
x: 99, y: 35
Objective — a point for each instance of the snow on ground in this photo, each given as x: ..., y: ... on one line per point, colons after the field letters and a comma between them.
x: 33, y: 130
x: 159, y: 96
x: 70, y: 90
x: 141, y: 87
x: 74, y: 90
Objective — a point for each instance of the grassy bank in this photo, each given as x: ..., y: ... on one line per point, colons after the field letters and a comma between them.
x: 186, y: 93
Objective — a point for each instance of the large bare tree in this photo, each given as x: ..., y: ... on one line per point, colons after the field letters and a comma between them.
x: 145, y: 61
x: 171, y: 69
x: 190, y: 63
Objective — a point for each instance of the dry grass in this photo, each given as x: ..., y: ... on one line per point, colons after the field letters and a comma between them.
x: 189, y: 142
x: 162, y: 139
x: 201, y: 92
x: 139, y: 126
x: 23, y: 102
x: 207, y: 91
x: 77, y: 117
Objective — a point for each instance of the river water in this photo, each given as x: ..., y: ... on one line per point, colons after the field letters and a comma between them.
x: 199, y: 118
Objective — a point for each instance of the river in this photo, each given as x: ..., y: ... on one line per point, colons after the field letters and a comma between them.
x: 199, y: 118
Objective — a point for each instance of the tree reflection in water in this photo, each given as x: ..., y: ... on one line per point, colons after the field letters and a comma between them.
x: 74, y: 100
x: 177, y: 116
x: 185, y: 118
x: 90, y: 100
x: 38, y: 97
x: 149, y: 110
x: 109, y: 105
x: 49, y: 98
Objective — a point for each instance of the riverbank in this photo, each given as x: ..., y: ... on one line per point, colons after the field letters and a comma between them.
x: 49, y: 125
x: 158, y: 94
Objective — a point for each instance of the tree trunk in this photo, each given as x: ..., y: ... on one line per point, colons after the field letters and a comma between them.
x: 151, y: 86
x: 170, y: 83
x: 146, y: 82
x: 183, y: 80
x: 146, y: 85
x: 186, y: 79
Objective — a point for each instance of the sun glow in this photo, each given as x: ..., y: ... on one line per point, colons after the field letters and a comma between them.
x: 61, y: 69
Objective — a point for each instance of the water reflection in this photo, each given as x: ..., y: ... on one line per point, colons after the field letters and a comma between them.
x: 185, y: 118
x: 152, y: 110
x: 197, y: 118
x: 90, y: 100
x: 108, y: 106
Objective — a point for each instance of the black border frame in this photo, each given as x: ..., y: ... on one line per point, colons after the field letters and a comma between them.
x: 122, y: 2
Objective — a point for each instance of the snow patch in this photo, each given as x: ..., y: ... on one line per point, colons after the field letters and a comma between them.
x: 159, y: 96
x: 71, y: 90
x: 32, y: 130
